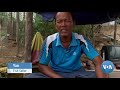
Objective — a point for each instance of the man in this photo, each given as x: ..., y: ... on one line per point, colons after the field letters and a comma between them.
x: 61, y: 52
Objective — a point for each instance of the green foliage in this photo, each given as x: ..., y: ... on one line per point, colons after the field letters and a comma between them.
x: 2, y: 33
x: 3, y: 75
x: 45, y: 28
x: 3, y: 18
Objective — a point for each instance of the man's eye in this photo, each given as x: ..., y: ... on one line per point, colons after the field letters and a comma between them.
x: 58, y: 21
x: 68, y: 21
x: 63, y: 21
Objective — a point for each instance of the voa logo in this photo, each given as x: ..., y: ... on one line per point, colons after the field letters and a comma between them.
x: 107, y: 67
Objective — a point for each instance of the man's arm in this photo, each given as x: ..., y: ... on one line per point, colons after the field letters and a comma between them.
x: 44, y: 61
x: 99, y: 74
x: 48, y: 71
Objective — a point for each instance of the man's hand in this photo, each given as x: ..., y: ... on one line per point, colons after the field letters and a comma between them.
x: 99, y: 74
x: 48, y: 71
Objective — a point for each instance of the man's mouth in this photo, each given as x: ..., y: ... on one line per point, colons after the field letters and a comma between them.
x: 64, y: 30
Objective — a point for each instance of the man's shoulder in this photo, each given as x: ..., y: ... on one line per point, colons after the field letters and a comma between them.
x: 80, y: 36
x: 52, y: 36
x: 50, y: 39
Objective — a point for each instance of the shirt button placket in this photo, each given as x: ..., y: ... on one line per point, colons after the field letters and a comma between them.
x: 67, y: 53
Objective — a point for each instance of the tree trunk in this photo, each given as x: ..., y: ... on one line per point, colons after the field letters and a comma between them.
x: 11, y: 26
x: 1, y: 35
x: 14, y: 30
x: 28, y: 36
x: 24, y: 27
x: 17, y: 32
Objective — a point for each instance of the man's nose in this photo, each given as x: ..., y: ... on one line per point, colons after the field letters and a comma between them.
x: 63, y: 23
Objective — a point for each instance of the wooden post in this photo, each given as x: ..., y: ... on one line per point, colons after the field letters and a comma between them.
x: 92, y: 30
x: 115, y: 30
x: 28, y: 36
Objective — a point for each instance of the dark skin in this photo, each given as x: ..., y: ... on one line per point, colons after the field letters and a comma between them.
x: 64, y: 25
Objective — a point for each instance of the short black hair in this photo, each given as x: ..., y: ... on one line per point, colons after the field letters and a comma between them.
x: 72, y: 14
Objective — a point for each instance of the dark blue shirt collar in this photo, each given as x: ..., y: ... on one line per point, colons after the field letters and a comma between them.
x: 73, y: 42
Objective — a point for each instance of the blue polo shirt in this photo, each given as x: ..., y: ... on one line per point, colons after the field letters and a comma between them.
x: 62, y: 59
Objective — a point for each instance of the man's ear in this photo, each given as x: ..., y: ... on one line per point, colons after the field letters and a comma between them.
x: 55, y: 26
x: 74, y: 23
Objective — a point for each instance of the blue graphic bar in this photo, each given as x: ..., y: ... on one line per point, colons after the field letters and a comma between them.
x: 19, y: 65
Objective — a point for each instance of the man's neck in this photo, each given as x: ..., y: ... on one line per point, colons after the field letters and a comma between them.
x: 66, y: 39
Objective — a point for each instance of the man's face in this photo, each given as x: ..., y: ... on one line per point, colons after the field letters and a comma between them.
x: 64, y: 23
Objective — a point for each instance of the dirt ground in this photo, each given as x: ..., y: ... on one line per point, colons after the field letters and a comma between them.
x: 8, y: 53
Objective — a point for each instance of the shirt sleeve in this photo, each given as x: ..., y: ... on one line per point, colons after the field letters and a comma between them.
x: 44, y: 58
x: 90, y: 52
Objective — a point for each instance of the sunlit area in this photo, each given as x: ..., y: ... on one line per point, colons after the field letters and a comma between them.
x: 18, y: 30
